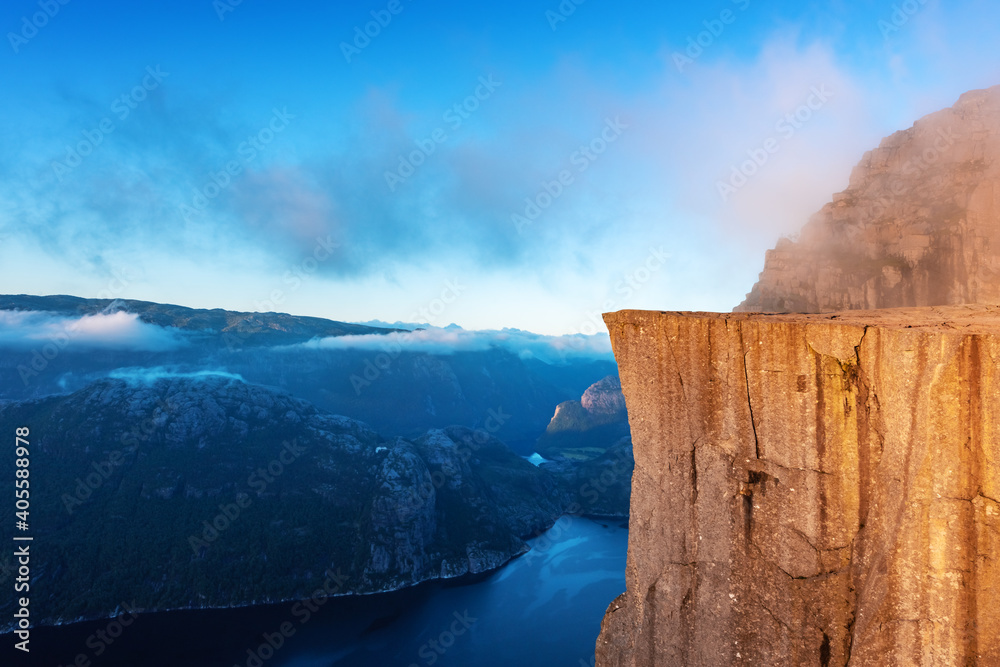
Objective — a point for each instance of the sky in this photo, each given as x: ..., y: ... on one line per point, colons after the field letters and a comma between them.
x: 520, y: 164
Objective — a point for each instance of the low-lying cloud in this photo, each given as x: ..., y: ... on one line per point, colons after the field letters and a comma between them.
x: 31, y: 329
x: 139, y: 375
x: 453, y: 339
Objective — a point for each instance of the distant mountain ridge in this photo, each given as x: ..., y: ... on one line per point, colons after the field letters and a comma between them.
x: 233, y: 328
x: 209, y: 474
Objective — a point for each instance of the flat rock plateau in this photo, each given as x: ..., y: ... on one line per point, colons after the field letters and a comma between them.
x: 811, y: 489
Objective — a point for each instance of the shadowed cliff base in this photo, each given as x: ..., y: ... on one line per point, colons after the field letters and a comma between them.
x: 810, y: 489
x: 918, y: 225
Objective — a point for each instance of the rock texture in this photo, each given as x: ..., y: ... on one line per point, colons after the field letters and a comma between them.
x: 811, y: 489
x: 918, y: 225
x: 604, y: 400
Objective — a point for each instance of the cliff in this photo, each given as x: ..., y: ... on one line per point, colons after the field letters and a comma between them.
x: 810, y: 489
x: 918, y: 225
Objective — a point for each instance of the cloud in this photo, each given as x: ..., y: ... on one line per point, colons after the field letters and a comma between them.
x: 453, y: 339
x: 126, y: 197
x: 325, y: 176
x: 120, y: 330
x: 721, y: 115
x: 136, y: 375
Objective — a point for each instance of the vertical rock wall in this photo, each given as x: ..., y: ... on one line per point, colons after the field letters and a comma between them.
x: 811, y: 490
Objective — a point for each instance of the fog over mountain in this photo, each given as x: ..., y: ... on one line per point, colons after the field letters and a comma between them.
x: 452, y: 339
x: 310, y: 300
x: 113, y: 330
x: 432, y: 377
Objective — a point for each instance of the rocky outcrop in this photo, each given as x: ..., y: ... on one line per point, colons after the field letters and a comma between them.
x: 399, y: 529
x: 604, y: 400
x: 586, y: 428
x: 811, y: 489
x: 590, y: 449
x: 918, y: 225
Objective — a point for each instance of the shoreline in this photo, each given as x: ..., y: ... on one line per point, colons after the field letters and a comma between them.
x: 456, y: 580
x: 275, y: 603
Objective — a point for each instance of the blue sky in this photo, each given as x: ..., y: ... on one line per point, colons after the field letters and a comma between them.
x: 236, y: 155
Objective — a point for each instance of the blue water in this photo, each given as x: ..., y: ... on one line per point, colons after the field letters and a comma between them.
x: 544, y: 608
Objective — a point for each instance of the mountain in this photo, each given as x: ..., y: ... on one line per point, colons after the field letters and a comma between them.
x: 226, y: 328
x: 600, y: 486
x: 425, y: 390
x: 918, y: 225
x: 582, y: 429
x: 184, y: 492
x: 206, y: 458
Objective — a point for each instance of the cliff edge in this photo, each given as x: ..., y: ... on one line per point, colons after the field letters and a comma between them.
x: 810, y: 489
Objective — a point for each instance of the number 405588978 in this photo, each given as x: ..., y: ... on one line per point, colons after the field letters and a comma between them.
x: 22, y: 461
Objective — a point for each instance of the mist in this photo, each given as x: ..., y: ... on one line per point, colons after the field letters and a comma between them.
x: 120, y: 330
x: 450, y: 340
x: 141, y: 375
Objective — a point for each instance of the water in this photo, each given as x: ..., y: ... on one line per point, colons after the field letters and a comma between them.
x: 544, y: 608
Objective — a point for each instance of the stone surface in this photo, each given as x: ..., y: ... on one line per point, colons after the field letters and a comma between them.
x: 811, y: 489
x: 604, y: 400
x: 918, y: 225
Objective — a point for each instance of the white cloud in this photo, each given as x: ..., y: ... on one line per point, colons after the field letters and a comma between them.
x: 435, y: 340
x: 121, y: 330
x: 150, y: 375
x: 723, y: 111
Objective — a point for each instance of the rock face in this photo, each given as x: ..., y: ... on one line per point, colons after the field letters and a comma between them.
x: 604, y: 400
x: 919, y: 224
x: 811, y: 489
x: 586, y: 428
